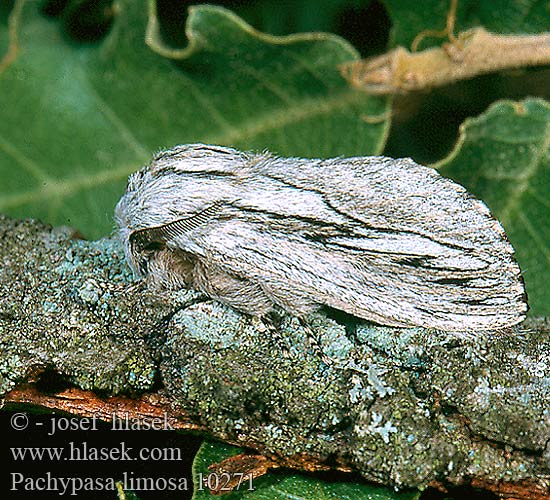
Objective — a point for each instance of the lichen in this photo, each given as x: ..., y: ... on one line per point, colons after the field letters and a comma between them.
x: 60, y: 317
x: 402, y: 406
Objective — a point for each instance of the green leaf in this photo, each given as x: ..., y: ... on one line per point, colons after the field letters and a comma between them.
x: 503, y: 157
x: 125, y: 495
x: 288, y: 486
x: 499, y: 16
x: 76, y: 120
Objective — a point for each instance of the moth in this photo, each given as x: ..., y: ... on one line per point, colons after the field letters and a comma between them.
x: 383, y: 239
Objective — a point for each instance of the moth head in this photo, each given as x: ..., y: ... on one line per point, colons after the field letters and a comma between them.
x: 143, y: 252
x: 133, y: 221
x: 180, y: 181
x: 124, y: 228
x: 178, y: 184
x: 163, y: 267
x: 150, y: 200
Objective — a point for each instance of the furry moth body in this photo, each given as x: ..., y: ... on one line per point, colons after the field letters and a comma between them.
x: 386, y: 240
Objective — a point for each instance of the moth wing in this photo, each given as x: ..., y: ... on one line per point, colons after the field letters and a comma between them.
x: 298, y: 263
x: 385, y: 240
x: 394, y: 242
x: 435, y: 244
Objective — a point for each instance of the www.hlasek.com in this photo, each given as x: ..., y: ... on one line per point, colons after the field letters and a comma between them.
x: 75, y: 452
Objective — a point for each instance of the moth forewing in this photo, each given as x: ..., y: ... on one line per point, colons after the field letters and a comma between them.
x: 386, y: 240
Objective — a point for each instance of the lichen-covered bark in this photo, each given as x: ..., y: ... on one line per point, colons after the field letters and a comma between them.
x: 402, y: 406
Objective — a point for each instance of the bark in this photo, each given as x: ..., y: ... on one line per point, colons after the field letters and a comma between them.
x: 404, y: 407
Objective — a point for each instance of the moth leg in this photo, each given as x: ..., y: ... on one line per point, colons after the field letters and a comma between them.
x: 270, y: 323
x: 243, y: 295
x: 131, y: 288
x: 300, y: 305
x: 315, y: 344
x: 168, y: 269
x: 134, y: 287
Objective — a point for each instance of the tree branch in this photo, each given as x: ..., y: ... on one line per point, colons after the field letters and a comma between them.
x: 472, y: 53
x: 404, y: 407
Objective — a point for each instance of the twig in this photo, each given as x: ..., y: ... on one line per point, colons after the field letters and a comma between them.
x: 13, y: 27
x: 448, y: 31
x: 474, y: 52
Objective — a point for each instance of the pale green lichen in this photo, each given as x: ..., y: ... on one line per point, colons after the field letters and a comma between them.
x: 60, y: 317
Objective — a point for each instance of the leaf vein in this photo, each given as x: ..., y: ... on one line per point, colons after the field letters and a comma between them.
x: 28, y: 164
x: 206, y: 102
x: 539, y: 199
x: 280, y: 119
x: 64, y: 187
x: 112, y: 116
x: 270, y: 86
